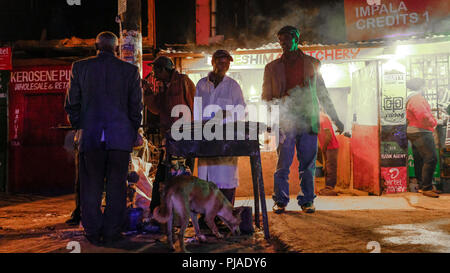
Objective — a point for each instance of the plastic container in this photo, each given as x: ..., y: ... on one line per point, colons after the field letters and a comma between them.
x: 134, y: 218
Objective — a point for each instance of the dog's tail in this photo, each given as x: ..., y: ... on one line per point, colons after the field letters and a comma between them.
x: 162, y: 212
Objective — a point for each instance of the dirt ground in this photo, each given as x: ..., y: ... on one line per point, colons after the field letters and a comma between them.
x: 351, y: 231
x: 35, y: 224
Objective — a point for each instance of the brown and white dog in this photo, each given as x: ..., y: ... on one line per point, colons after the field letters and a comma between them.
x: 188, y: 196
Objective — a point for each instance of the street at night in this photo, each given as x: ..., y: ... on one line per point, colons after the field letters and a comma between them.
x: 211, y: 135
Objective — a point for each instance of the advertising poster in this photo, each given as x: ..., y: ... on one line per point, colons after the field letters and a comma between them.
x: 394, y: 179
x: 393, y: 102
x: 393, y: 142
x: 393, y: 146
x: 5, y: 58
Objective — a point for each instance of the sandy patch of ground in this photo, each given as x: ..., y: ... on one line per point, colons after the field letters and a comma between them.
x: 36, y: 224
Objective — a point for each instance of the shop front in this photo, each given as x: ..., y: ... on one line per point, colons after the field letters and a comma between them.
x: 41, y: 158
x: 367, y: 84
x: 248, y: 70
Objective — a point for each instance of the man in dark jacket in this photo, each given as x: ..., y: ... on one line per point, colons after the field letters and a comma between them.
x: 294, y: 83
x: 175, y: 89
x: 104, y: 102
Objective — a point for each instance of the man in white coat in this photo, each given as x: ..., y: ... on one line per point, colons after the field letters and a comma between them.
x: 219, y: 89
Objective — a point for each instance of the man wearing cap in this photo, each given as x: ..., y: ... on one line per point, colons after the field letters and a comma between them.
x: 421, y: 124
x: 174, y: 89
x: 219, y: 89
x: 104, y: 102
x: 296, y: 75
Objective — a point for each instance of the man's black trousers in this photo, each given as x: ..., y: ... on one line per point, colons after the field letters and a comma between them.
x: 96, y: 169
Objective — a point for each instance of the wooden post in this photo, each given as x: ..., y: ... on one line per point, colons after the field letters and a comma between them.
x: 131, y: 33
x: 203, y: 21
x: 151, y: 23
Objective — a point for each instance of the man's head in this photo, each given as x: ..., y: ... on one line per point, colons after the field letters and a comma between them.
x: 415, y: 84
x: 221, y: 62
x: 288, y: 38
x: 107, y: 41
x: 162, y: 68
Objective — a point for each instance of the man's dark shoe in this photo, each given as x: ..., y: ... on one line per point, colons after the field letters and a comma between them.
x: 73, y: 221
x: 94, y: 239
x: 278, y: 209
x: 111, y: 240
x: 308, y: 207
x: 430, y: 193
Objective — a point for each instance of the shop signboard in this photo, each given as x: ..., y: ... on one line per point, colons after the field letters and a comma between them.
x: 40, y: 162
x: 242, y: 59
x: 5, y: 58
x: 369, y: 19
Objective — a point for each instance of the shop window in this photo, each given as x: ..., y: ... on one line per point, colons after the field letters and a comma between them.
x: 434, y: 69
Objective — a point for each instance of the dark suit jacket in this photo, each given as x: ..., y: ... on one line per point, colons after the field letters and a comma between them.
x: 274, y: 87
x: 105, y: 95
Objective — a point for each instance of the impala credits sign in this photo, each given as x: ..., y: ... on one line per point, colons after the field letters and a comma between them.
x: 372, y: 19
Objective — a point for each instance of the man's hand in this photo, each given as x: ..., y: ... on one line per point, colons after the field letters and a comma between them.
x: 339, y: 125
x: 147, y: 87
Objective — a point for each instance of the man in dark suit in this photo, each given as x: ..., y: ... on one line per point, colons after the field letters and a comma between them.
x: 104, y: 102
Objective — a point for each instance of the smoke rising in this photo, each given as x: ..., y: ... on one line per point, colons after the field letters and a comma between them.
x: 324, y: 24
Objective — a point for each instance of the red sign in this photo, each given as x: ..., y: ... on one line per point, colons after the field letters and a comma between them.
x: 394, y: 179
x: 33, y: 80
x: 39, y: 159
x: 334, y: 54
x: 43, y: 79
x: 374, y: 19
x: 203, y: 22
x: 5, y: 58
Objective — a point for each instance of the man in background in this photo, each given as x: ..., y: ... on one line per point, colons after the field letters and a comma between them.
x: 174, y: 89
x: 219, y: 89
x: 330, y: 147
x: 297, y: 75
x: 421, y: 124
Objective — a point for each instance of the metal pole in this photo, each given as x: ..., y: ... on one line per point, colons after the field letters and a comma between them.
x: 131, y: 32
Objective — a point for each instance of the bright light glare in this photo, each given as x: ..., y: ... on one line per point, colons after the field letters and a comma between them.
x: 394, y: 65
x: 402, y: 51
x: 352, y: 67
x: 330, y: 73
x: 252, y: 91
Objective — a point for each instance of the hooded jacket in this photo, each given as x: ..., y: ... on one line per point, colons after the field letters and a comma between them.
x: 418, y: 113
